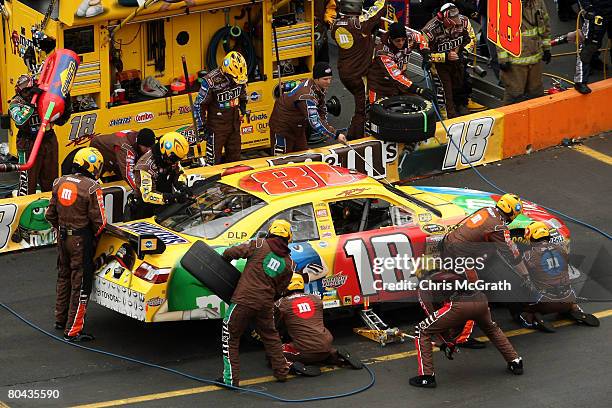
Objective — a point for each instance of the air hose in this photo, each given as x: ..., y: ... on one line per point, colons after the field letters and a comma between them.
x: 243, y: 44
x: 193, y: 377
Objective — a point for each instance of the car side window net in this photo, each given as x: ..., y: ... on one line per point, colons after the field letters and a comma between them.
x: 366, y: 214
x: 303, y: 224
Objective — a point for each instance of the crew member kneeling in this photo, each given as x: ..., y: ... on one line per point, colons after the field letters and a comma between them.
x: 76, y: 211
x: 157, y: 176
x: 548, y: 264
x: 311, y: 342
x: 302, y: 106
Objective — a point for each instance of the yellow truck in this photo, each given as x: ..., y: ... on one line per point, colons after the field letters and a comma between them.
x: 129, y: 49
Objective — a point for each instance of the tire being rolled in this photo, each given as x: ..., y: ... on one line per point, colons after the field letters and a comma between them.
x: 402, y: 118
x: 210, y: 268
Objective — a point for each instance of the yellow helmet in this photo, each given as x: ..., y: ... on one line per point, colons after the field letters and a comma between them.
x: 281, y: 228
x: 173, y: 146
x: 235, y: 66
x: 511, y: 205
x: 89, y: 159
x: 537, y: 230
x: 296, y: 282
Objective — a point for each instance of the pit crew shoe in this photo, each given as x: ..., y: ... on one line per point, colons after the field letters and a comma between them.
x: 350, y: 359
x: 59, y: 326
x: 301, y: 369
x: 221, y: 382
x: 582, y: 88
x: 516, y: 366
x: 81, y: 337
x: 424, y: 381
x: 542, y: 324
x: 584, y: 318
x: 472, y: 344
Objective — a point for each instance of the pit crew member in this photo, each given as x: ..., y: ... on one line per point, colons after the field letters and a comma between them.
x: 265, y: 277
x: 459, y: 307
x: 324, y: 14
x: 26, y: 118
x: 299, y: 107
x: 548, y: 265
x: 354, y: 32
x: 156, y: 175
x: 76, y: 211
x: 522, y: 75
x: 302, y: 315
x: 121, y: 151
x: 597, y: 21
x: 448, y: 34
x: 220, y: 103
x: 387, y: 73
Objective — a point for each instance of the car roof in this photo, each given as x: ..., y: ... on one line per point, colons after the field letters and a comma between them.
x: 312, y: 181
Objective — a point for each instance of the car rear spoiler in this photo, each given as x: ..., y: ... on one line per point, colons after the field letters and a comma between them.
x: 143, y: 244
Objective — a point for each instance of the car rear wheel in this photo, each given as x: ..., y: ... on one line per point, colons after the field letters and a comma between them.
x: 212, y: 270
x: 403, y: 118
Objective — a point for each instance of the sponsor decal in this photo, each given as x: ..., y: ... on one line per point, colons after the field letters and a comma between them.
x: 334, y: 281
x: 434, y: 228
x: 155, y: 302
x: 303, y: 307
x: 254, y: 96
x: 246, y: 130
x: 356, y: 299
x: 330, y: 293
x: 424, y: 217
x: 184, y: 109
x: 262, y: 127
x: 326, y: 235
x: 120, y: 121
x: 167, y: 237
x: 321, y: 205
x: 325, y: 227
x: 323, y: 244
x: 347, y: 300
x: 322, y: 213
x: 258, y: 116
x: 119, y: 298
x: 144, y: 117
x: 331, y: 303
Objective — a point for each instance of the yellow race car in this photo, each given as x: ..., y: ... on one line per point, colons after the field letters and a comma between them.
x: 341, y: 219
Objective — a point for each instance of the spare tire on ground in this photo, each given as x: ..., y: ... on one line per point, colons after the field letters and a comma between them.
x: 212, y: 270
x: 403, y: 118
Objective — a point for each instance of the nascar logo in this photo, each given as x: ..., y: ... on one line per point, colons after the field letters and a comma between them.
x: 67, y: 77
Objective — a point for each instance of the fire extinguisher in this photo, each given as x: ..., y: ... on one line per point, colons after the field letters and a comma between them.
x: 55, y: 83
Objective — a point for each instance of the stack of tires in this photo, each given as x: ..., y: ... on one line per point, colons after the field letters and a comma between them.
x: 403, y: 118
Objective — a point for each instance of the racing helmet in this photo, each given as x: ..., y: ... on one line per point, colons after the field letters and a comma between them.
x: 296, y: 282
x: 235, y: 66
x: 510, y: 205
x: 89, y: 159
x: 536, y: 231
x: 281, y: 228
x: 24, y: 81
x: 173, y: 147
x: 351, y: 6
x: 449, y: 15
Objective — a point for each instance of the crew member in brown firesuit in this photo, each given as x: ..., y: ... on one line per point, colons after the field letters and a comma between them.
x: 459, y: 306
x: 156, y: 176
x: 324, y: 14
x: 26, y: 118
x: 219, y: 106
x: 121, y: 151
x: 299, y: 107
x: 265, y: 277
x: 548, y: 265
x: 354, y: 32
x: 76, y: 211
x: 302, y: 315
x: 481, y: 235
x: 448, y: 35
x: 387, y: 74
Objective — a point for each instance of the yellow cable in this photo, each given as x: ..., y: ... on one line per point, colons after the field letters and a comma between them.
x: 558, y: 77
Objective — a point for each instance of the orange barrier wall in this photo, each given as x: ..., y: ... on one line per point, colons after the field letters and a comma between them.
x: 546, y: 121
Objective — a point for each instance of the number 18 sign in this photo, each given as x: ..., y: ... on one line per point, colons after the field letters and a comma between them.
x: 504, y: 24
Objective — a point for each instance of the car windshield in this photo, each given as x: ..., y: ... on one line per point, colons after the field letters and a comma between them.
x: 215, y: 210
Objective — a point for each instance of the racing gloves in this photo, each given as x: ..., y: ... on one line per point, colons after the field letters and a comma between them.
x: 546, y: 56
x: 505, y: 66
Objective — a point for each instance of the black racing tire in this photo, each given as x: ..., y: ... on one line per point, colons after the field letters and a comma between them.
x: 403, y: 118
x: 212, y: 270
